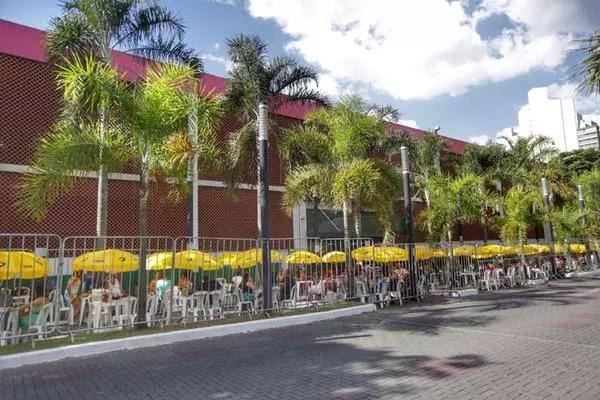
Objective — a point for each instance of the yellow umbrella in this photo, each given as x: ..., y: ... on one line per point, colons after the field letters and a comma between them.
x: 194, y: 259
x: 379, y: 254
x: 227, y: 257
x: 464, y: 251
x: 110, y: 260
x: 162, y: 260
x: 489, y: 251
x: 303, y: 257
x: 22, y: 264
x: 577, y: 248
x: 334, y: 257
x: 425, y: 253
x: 250, y: 258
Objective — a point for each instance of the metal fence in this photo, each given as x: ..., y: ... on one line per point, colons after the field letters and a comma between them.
x: 50, y: 286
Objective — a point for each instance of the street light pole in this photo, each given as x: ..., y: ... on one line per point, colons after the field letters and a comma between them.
x: 581, y: 199
x: 408, y: 210
x: 263, y: 148
x: 192, y: 197
x: 547, y: 227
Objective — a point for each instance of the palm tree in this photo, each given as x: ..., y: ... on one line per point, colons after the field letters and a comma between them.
x: 523, y: 211
x: 589, y: 66
x: 94, y: 28
x: 334, y: 157
x: 491, y: 162
x: 254, y: 79
x: 591, y: 193
x: 92, y: 91
x: 453, y: 201
x: 159, y: 110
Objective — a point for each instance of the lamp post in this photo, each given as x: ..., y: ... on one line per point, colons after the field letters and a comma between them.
x: 581, y: 202
x: 263, y: 148
x: 408, y: 210
x: 547, y: 227
x: 192, y: 197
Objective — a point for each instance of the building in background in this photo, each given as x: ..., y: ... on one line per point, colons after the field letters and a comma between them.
x: 545, y: 116
x: 588, y: 135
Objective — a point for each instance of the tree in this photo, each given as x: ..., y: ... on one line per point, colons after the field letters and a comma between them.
x: 491, y: 162
x: 453, y: 201
x: 335, y: 157
x: 591, y: 192
x: 92, y: 91
x: 578, y: 161
x: 589, y: 67
x: 522, y: 213
x: 92, y: 28
x: 254, y: 79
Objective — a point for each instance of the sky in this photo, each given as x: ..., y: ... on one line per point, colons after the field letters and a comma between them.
x: 465, y: 66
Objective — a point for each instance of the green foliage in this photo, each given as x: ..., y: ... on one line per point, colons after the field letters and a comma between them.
x: 94, y: 27
x: 65, y: 155
x: 591, y: 192
x: 453, y: 200
x: 578, y: 161
x: 335, y: 158
x: 519, y: 205
x: 589, y: 67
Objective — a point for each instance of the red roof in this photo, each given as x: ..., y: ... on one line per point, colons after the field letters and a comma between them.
x: 27, y: 42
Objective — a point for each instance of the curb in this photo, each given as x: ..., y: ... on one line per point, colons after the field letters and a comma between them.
x: 137, y: 342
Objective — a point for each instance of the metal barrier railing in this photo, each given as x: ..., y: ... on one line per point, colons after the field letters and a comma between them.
x: 50, y: 286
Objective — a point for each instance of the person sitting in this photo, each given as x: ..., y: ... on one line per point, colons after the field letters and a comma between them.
x: 28, y: 313
x: 162, y: 285
x: 248, y: 288
x: 72, y: 292
x: 185, y: 286
x: 286, y: 284
x: 113, y: 285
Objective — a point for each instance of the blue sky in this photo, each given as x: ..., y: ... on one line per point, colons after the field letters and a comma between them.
x: 463, y: 65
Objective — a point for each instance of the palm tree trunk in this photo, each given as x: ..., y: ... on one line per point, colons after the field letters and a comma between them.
x: 102, y: 196
x: 143, y: 232
x: 357, y: 222
x: 428, y: 203
x: 347, y: 249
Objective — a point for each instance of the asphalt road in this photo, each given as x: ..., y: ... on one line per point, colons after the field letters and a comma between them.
x: 536, y: 344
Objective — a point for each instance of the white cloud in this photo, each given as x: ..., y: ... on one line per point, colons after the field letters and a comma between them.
x: 411, y: 123
x: 218, y: 59
x: 426, y: 48
x: 584, y: 103
x: 216, y: 45
x: 479, y: 139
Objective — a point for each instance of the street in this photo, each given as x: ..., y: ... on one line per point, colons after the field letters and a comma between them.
x: 541, y: 343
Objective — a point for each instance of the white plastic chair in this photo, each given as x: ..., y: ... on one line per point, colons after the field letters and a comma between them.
x: 275, y: 298
x: 99, y: 314
x: 126, y: 311
x: 151, y: 308
x: 44, y: 319
x: 382, y: 297
x: 214, y: 303
x: 8, y: 326
x: 361, y: 290
x: 198, y: 305
x: 291, y: 302
x: 487, y: 282
x: 239, y: 301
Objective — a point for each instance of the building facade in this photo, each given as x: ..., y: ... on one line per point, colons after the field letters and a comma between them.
x: 29, y: 106
x: 588, y: 135
x: 545, y: 116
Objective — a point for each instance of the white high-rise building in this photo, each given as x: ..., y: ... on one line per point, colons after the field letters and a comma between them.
x: 545, y: 116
